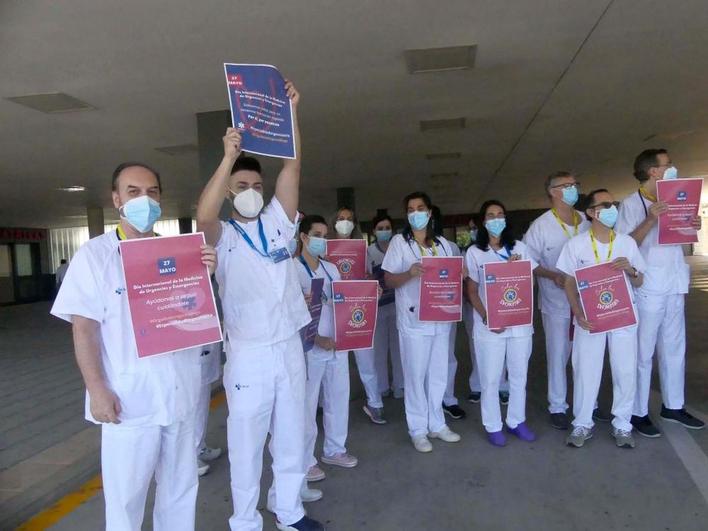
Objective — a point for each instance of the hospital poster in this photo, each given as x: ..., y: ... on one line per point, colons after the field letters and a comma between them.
x: 508, y: 289
x: 349, y: 256
x: 441, y: 289
x: 355, y: 308
x: 605, y: 297
x: 683, y: 196
x: 261, y: 109
x: 170, y: 295
x: 309, y: 331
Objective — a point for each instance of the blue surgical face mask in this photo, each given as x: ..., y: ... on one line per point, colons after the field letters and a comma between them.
x: 141, y: 212
x: 316, y: 246
x: 570, y: 195
x: 670, y: 173
x: 419, y: 220
x: 384, y: 235
x: 292, y: 246
x: 495, y: 226
x: 608, y: 216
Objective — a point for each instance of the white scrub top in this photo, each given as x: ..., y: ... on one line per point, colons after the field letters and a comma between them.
x: 544, y: 241
x: 329, y: 273
x: 400, y: 256
x: 157, y: 390
x: 667, y: 272
x: 261, y: 300
x: 475, y: 260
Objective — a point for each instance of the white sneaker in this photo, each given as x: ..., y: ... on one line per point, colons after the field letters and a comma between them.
x: 308, y: 495
x: 344, y: 460
x: 446, y: 434
x: 202, y: 468
x: 422, y: 444
x: 209, y: 454
x: 315, y: 473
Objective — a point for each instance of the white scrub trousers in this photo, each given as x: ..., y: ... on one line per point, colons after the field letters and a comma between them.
x: 449, y: 399
x: 492, y: 354
x: 558, y: 347
x: 366, y: 363
x: 588, y: 358
x: 385, y: 341
x: 424, y: 361
x: 265, y: 389
x: 130, y: 456
x: 331, y: 374
x: 662, y: 325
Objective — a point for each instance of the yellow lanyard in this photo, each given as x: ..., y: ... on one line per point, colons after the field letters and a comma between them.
x: 422, y: 251
x: 576, y: 222
x: 647, y: 195
x: 594, y: 246
x: 121, y: 233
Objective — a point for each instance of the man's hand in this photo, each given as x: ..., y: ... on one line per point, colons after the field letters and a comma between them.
x: 582, y: 321
x: 696, y: 223
x: 105, y: 406
x: 292, y: 92
x: 416, y: 270
x: 325, y: 343
x: 622, y: 264
x: 209, y: 258
x: 232, y: 144
x: 514, y: 257
x: 657, y: 209
x: 559, y: 279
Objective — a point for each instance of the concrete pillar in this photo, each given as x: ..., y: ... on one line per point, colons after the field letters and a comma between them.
x: 210, y: 131
x: 95, y: 221
x: 346, y: 198
x: 185, y: 225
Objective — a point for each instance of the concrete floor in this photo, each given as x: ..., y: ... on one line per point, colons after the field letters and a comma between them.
x: 661, y: 485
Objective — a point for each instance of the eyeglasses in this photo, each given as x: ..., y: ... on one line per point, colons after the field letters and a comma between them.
x: 567, y: 185
x: 606, y: 204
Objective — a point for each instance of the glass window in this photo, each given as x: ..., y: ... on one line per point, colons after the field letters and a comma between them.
x: 23, y: 259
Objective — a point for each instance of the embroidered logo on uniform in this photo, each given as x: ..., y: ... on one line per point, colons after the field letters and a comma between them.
x: 120, y: 291
x: 166, y: 266
x: 238, y: 387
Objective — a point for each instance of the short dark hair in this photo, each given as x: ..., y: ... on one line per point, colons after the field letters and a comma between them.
x: 308, y: 221
x: 646, y: 160
x: 589, y: 199
x: 132, y: 164
x: 552, y: 177
x: 246, y: 163
x: 408, y: 230
x: 378, y: 218
x: 505, y: 238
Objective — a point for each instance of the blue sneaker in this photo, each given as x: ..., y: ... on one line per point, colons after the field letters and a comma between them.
x: 304, y: 524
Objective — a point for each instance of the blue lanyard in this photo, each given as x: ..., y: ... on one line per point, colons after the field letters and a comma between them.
x: 245, y: 236
x: 505, y: 258
x: 309, y: 271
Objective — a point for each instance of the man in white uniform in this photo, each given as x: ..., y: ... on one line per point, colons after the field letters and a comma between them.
x: 660, y: 300
x: 264, y: 309
x: 598, y: 245
x: 210, y: 361
x: 146, y: 407
x: 545, y: 239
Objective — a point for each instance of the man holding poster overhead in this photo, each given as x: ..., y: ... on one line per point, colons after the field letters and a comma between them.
x: 264, y: 310
x: 660, y: 300
x: 146, y: 406
x: 601, y: 244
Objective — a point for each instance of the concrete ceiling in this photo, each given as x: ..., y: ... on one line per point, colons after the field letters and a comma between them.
x: 574, y: 84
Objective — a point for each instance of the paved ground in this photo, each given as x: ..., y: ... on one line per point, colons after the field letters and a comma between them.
x: 661, y: 485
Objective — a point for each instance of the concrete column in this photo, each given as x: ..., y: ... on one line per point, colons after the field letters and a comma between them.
x: 185, y: 225
x: 210, y: 131
x: 346, y: 198
x: 95, y: 221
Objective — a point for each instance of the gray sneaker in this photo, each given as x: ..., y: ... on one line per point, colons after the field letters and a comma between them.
x: 375, y: 414
x: 623, y: 438
x: 578, y: 436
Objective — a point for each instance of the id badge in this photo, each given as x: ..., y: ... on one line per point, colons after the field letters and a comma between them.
x: 278, y: 255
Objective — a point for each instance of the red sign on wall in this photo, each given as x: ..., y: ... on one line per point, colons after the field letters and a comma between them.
x: 18, y: 234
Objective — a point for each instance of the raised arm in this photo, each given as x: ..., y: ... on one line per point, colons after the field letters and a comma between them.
x: 216, y: 189
x: 105, y: 406
x: 287, y: 188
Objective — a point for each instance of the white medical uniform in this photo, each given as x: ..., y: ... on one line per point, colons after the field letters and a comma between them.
x: 158, y: 398
x: 475, y: 385
x: 449, y: 399
x: 327, y: 371
x: 386, y: 337
x: 513, y: 345
x: 424, y: 345
x: 210, y: 360
x: 264, y: 375
x: 545, y: 238
x: 589, y: 349
x: 660, y: 302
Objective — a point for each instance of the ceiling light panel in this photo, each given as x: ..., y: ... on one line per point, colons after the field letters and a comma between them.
x: 445, y: 123
x: 52, y: 103
x: 428, y: 60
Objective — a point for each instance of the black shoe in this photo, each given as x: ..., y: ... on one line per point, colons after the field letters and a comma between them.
x: 559, y: 421
x: 600, y: 416
x: 683, y: 417
x: 645, y: 426
x: 474, y: 398
x: 504, y: 397
x: 454, y: 412
x: 304, y: 524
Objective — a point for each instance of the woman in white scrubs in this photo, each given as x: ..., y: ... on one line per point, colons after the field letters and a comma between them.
x: 424, y: 345
x: 494, y: 347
